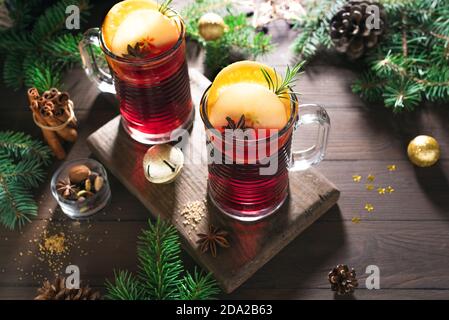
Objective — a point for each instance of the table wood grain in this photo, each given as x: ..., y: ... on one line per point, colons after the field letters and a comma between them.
x: 406, y: 236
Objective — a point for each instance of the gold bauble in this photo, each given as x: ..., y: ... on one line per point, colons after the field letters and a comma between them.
x: 163, y: 163
x: 423, y: 151
x: 211, y: 26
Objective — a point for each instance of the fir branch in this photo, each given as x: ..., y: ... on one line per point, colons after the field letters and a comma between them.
x: 22, y: 12
x: 21, y: 168
x: 53, y: 19
x: 11, y: 77
x: 41, y: 73
x: 18, y: 145
x: 160, y: 275
x: 240, y: 41
x: 64, y: 48
x: 410, y: 63
x: 125, y: 287
x: 198, y: 287
x: 158, y: 253
x: 15, y: 42
x: 17, y: 204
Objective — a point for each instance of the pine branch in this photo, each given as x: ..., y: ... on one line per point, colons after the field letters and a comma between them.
x: 125, y: 287
x: 198, y: 287
x: 17, y: 204
x: 161, y: 269
x: 22, y: 12
x: 411, y: 62
x: 240, y: 41
x: 159, y: 256
x: 21, y: 168
x: 11, y: 77
x: 64, y: 48
x: 18, y: 145
x: 16, y: 42
x: 53, y: 19
x: 41, y: 73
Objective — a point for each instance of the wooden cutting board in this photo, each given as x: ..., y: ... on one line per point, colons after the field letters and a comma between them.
x: 252, y: 244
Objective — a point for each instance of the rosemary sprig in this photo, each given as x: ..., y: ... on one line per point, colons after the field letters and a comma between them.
x: 164, y: 8
x: 287, y: 83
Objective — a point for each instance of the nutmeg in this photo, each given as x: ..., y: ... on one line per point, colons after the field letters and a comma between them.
x: 79, y: 173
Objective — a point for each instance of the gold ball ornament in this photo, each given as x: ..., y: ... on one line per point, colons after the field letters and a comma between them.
x: 211, y: 26
x: 162, y: 163
x: 423, y: 151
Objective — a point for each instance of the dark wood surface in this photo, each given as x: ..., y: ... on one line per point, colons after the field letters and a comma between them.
x: 406, y: 236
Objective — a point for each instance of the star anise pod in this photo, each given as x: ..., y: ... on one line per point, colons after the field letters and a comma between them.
x: 136, y: 51
x: 209, y: 241
x: 66, y: 189
x: 235, y: 126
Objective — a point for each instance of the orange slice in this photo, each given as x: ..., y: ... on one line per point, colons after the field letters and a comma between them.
x: 139, y: 21
x: 242, y: 72
x: 118, y: 14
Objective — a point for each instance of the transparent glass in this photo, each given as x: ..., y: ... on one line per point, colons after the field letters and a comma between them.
x: 84, y: 209
x: 248, y: 176
x: 154, y: 93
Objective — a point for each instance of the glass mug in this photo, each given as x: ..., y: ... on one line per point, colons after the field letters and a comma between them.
x: 154, y: 93
x: 248, y: 175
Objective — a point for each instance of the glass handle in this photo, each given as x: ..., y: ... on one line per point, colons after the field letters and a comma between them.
x: 311, y: 114
x: 94, y: 61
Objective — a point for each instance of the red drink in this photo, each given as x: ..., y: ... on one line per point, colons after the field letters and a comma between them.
x: 249, y: 125
x: 144, y: 46
x: 240, y: 188
x: 154, y: 97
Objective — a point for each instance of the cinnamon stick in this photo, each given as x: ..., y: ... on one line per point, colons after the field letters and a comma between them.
x: 47, y: 112
x: 49, y: 136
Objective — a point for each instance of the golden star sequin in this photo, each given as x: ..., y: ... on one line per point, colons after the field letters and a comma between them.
x: 381, y: 190
x: 355, y: 220
x: 390, y: 189
x: 369, y: 207
x: 370, y: 178
x: 356, y: 178
x: 369, y: 187
x: 391, y: 167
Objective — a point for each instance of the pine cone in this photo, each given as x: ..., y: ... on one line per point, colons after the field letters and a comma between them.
x: 342, y: 280
x: 349, y: 31
x: 58, y: 291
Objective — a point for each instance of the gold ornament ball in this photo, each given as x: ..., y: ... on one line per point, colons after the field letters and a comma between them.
x: 423, y: 151
x: 211, y: 26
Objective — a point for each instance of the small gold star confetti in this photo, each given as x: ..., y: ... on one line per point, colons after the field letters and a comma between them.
x: 356, y: 178
x: 370, y: 178
x: 355, y: 220
x: 369, y: 187
x: 391, y: 167
x: 369, y: 207
x: 390, y: 189
x: 381, y: 190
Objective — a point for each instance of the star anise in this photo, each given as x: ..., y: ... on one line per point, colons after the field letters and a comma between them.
x: 209, y: 241
x: 66, y: 188
x: 136, y: 51
x: 235, y: 126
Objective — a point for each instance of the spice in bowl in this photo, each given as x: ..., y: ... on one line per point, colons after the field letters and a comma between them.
x: 81, y: 188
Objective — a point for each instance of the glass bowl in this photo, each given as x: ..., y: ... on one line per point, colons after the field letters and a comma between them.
x: 76, y: 209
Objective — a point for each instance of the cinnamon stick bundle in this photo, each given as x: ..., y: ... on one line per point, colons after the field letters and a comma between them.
x: 53, y: 111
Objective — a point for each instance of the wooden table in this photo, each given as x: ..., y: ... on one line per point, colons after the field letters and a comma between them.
x: 406, y: 236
